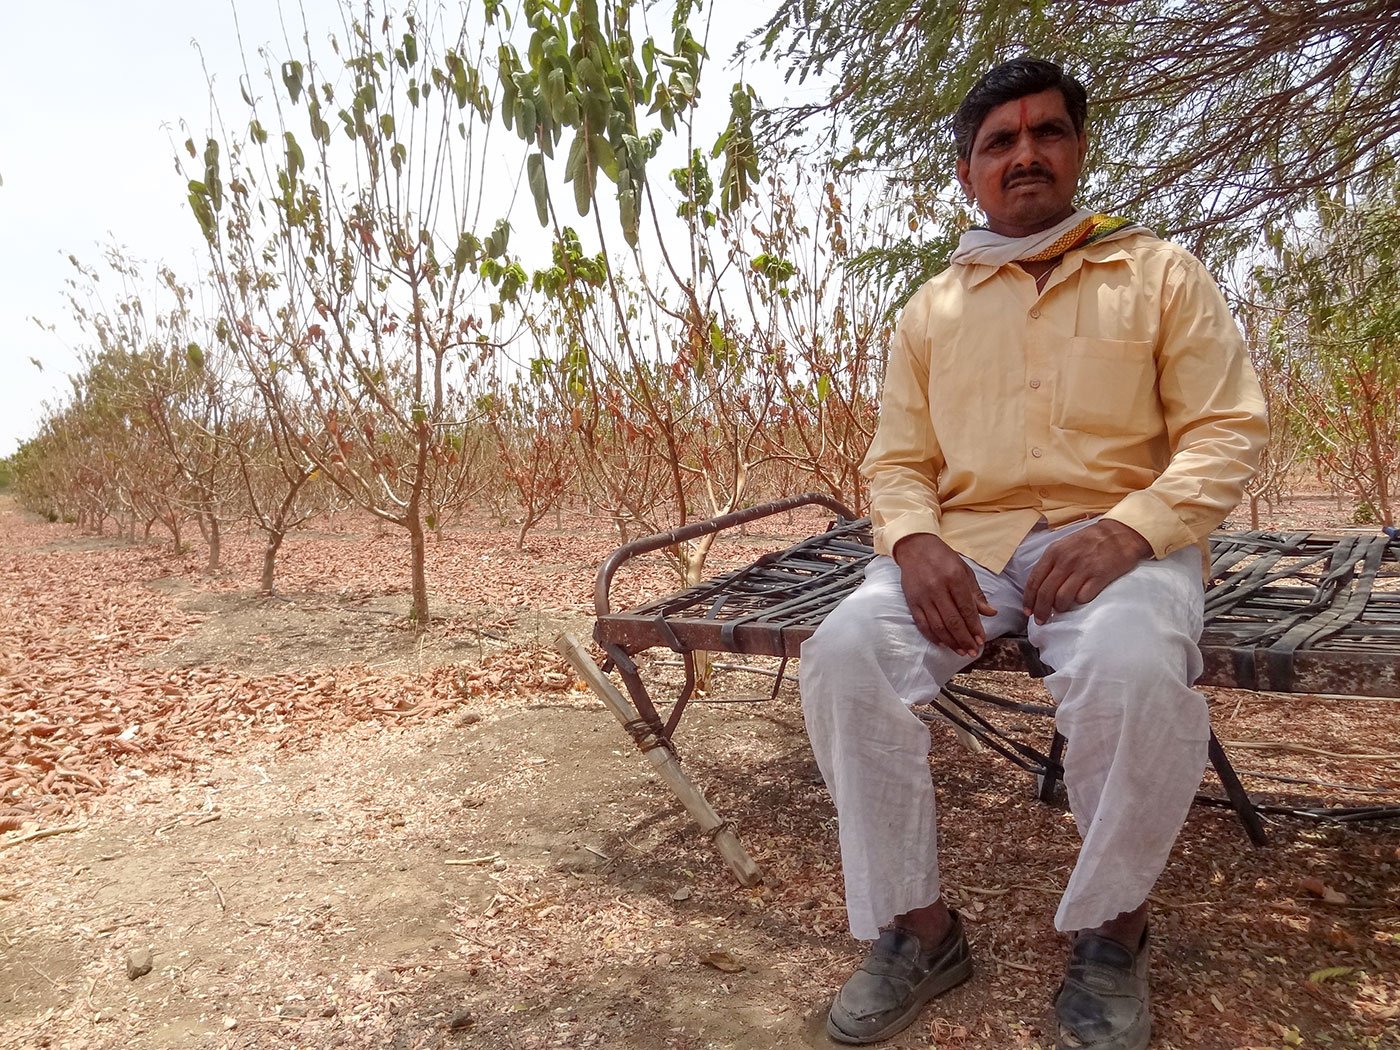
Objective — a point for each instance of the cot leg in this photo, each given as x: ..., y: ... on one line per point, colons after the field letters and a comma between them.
x: 1054, y: 768
x: 1236, y: 793
x: 660, y: 755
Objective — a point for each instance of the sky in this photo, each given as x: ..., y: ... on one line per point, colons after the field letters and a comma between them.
x: 95, y: 94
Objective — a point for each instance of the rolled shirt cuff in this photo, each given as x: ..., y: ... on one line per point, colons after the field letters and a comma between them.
x: 1154, y: 520
x: 911, y: 523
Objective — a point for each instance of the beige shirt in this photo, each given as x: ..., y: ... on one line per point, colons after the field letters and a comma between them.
x: 1123, y: 389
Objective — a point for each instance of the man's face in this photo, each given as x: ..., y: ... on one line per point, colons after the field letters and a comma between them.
x: 1025, y: 164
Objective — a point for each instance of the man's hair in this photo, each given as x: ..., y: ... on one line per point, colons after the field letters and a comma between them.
x: 1006, y: 83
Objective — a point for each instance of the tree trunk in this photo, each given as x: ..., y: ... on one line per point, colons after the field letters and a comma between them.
x: 418, y: 555
x: 215, y: 540
x: 1253, y: 511
x: 274, y: 543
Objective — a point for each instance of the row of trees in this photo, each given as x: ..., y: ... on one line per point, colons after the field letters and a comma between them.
x: 369, y: 335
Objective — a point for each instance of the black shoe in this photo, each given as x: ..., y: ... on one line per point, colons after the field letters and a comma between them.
x: 894, y: 982
x: 1103, y: 1002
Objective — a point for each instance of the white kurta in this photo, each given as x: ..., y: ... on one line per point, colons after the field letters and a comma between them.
x: 1136, y: 731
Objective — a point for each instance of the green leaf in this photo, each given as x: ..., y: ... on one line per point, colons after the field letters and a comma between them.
x: 603, y: 156
x: 468, y: 249
x: 204, y: 215
x: 627, y: 214
x: 583, y: 189
x: 577, y: 159
x: 320, y: 130
x: 292, y: 77
x: 539, y: 187
x: 295, y: 160
x: 211, y: 174
x: 500, y: 237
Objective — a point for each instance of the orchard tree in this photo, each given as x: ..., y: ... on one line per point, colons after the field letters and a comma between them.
x: 533, y: 427
x: 667, y: 405
x: 816, y: 318
x: 154, y: 382
x: 276, y: 477
x: 356, y: 271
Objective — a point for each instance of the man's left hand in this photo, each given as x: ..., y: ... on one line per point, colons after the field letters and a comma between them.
x: 1073, y: 571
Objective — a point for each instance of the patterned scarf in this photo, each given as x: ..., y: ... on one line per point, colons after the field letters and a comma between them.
x: 1081, y: 229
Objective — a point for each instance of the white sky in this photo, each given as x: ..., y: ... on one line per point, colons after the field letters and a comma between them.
x: 94, y: 92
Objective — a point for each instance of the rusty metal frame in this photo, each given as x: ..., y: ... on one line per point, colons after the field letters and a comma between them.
x: 1285, y: 612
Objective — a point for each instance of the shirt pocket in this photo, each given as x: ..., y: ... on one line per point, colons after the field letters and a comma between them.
x: 1107, y: 387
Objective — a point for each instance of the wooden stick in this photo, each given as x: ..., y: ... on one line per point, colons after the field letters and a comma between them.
x: 969, y: 740
x: 728, y: 844
x: 218, y: 892
x: 42, y: 833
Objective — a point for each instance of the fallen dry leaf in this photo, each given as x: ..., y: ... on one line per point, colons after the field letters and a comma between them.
x: 1318, y: 888
x: 723, y: 962
x: 1329, y: 973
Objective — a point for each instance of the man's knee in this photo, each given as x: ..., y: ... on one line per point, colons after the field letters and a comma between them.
x: 851, y: 660
x: 845, y: 640
x: 862, y: 626
x: 1145, y: 684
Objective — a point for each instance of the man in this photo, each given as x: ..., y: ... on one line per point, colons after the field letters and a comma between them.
x: 1068, y: 412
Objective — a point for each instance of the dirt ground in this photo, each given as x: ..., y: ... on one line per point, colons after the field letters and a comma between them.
x: 322, y: 828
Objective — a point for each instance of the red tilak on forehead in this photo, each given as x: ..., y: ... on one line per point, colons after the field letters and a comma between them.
x: 1023, y: 114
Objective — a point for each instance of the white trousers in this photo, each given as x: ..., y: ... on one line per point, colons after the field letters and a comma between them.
x: 1136, y: 732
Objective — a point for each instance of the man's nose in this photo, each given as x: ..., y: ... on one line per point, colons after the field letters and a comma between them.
x: 1024, y: 151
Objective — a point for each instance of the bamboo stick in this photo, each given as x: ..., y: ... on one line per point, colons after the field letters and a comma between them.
x: 969, y: 740
x: 665, y: 764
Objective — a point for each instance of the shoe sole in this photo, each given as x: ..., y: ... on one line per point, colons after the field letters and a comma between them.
x: 947, y: 980
x: 1135, y: 1038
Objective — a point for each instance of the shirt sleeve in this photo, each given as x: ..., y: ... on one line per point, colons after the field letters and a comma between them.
x: 1214, y: 414
x: 904, y: 459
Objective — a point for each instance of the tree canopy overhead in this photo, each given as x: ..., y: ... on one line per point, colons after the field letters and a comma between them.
x: 1212, y: 119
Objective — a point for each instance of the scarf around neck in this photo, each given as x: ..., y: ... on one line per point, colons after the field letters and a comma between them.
x: 979, y: 245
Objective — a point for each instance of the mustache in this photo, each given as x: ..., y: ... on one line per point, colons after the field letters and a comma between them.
x: 1029, y: 174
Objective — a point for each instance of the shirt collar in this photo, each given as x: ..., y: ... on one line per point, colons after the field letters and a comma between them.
x: 1112, y: 251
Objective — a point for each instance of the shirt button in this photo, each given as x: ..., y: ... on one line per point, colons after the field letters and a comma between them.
x: 1035, y: 384
x: 1035, y: 313
x: 1035, y: 452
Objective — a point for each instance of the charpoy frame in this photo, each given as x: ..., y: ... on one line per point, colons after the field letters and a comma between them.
x: 1288, y: 612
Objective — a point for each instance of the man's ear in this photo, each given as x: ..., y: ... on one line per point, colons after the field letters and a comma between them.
x: 965, y: 177
x: 1083, y: 147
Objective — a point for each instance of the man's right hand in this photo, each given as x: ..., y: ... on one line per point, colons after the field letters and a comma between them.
x: 942, y: 593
